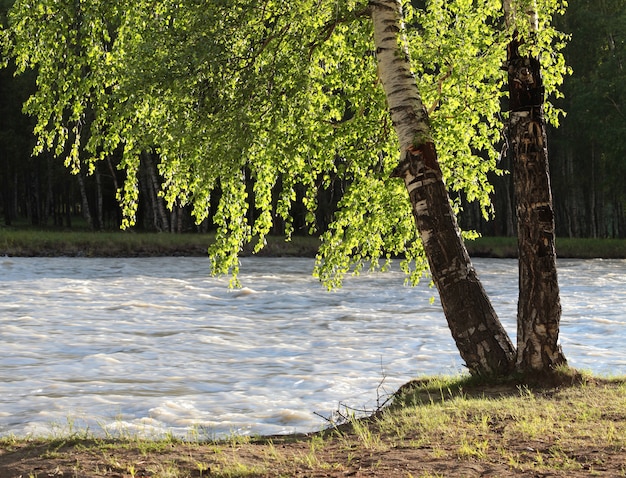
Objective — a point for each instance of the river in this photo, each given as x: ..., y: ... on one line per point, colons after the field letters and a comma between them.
x: 152, y: 346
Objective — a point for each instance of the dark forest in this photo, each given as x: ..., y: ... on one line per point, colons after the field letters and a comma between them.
x: 587, y: 154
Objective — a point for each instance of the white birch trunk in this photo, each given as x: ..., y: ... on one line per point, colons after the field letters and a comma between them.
x: 533, y: 17
x: 480, y: 338
x: 531, y: 13
x: 509, y: 13
x: 403, y: 98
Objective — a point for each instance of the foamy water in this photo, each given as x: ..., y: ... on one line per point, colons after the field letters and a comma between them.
x: 146, y: 346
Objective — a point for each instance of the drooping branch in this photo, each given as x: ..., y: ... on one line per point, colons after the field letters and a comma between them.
x: 330, y: 26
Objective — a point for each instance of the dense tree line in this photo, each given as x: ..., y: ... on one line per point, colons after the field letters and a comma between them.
x: 42, y: 191
x: 587, y: 152
x: 591, y: 146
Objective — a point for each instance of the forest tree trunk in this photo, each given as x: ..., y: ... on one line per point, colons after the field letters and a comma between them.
x: 539, y: 307
x: 84, y: 201
x: 99, y: 200
x: 160, y: 216
x: 479, y: 335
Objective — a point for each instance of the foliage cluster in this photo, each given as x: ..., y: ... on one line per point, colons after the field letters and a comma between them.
x: 283, y: 94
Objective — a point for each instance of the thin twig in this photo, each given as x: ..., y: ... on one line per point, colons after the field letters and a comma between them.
x: 338, y: 417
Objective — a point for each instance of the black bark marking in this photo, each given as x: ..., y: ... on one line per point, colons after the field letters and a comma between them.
x: 539, y: 307
x: 526, y: 88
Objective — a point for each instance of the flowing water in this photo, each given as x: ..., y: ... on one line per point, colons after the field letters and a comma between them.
x: 153, y: 346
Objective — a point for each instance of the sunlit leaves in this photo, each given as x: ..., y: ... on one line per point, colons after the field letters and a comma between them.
x: 457, y: 51
x: 364, y: 231
x: 68, y: 44
x: 252, y: 104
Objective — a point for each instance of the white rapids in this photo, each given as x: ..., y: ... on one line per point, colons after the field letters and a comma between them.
x: 153, y: 346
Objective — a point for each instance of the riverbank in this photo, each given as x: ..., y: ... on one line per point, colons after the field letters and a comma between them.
x: 26, y: 242
x: 49, y: 243
x: 435, y: 428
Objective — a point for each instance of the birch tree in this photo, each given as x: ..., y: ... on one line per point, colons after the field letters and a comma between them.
x: 286, y: 95
x: 539, y: 306
x: 479, y: 335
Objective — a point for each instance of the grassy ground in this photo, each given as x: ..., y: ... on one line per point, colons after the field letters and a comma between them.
x: 434, y: 428
x: 37, y: 242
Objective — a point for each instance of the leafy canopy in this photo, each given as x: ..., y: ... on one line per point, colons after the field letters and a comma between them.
x: 279, y: 94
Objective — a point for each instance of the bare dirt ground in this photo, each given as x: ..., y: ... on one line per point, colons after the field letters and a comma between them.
x: 85, y: 459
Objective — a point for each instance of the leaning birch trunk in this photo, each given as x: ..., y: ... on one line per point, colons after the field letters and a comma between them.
x: 482, y: 341
x: 539, y: 306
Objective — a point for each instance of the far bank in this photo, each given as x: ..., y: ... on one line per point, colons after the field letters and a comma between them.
x: 27, y: 242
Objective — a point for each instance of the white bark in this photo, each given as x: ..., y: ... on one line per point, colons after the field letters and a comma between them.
x: 509, y: 13
x: 408, y: 113
x: 531, y: 12
x: 533, y: 17
x: 480, y: 338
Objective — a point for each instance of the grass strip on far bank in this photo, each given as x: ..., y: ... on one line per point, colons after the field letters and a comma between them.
x: 26, y: 242
x: 438, y: 427
x: 31, y: 242
x: 566, y: 247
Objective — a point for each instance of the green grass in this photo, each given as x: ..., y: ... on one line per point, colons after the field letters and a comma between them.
x: 25, y: 241
x: 581, y: 248
x: 40, y: 242
x: 591, y: 248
